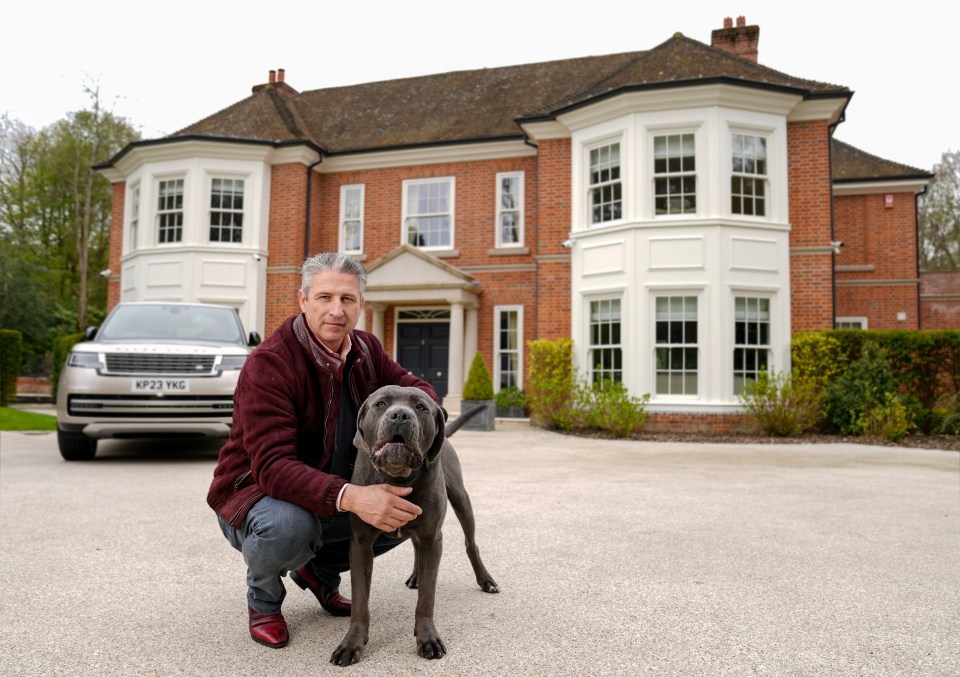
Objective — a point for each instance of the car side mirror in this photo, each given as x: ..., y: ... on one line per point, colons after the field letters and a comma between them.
x: 90, y: 333
x: 254, y: 339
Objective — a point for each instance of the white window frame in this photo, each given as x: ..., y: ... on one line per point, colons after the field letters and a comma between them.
x: 684, y: 344
x: 668, y: 174
x: 498, y: 312
x: 616, y: 346
x: 162, y: 212
x: 850, y: 321
x: 754, y: 176
x: 358, y: 219
x: 221, y: 210
x: 407, y: 184
x: 600, y: 185
x: 134, y: 226
x: 744, y: 372
x: 518, y: 209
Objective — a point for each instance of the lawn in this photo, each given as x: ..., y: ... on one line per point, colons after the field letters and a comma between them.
x: 15, y: 419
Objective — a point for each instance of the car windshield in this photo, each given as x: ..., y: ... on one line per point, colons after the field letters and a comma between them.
x: 172, y: 322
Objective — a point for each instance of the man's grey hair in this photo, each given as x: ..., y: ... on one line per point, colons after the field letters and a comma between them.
x: 332, y: 261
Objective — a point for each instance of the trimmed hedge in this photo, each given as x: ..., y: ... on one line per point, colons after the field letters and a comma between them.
x: 61, y: 349
x: 925, y: 365
x: 11, y: 350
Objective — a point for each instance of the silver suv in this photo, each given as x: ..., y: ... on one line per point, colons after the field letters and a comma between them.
x: 151, y: 370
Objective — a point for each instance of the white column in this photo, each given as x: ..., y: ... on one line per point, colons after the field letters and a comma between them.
x: 455, y: 362
x: 379, y: 320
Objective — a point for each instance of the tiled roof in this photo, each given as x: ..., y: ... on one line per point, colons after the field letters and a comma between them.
x: 853, y: 164
x: 474, y: 105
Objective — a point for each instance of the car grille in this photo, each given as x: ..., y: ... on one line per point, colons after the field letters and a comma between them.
x: 138, y: 363
x: 150, y: 406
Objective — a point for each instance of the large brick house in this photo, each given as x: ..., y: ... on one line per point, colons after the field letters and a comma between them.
x: 677, y: 212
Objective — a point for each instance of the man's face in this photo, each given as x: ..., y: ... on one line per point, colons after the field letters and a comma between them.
x: 332, y: 307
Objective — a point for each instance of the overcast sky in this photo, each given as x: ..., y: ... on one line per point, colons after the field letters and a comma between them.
x: 166, y: 65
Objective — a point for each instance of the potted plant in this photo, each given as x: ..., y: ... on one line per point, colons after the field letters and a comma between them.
x: 511, y: 403
x: 478, y: 394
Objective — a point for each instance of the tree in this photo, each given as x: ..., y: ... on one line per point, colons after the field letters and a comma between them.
x: 939, y: 217
x: 54, y: 223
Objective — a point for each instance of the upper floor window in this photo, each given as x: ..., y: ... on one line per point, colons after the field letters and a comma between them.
x: 170, y: 211
x: 748, y: 183
x: 605, y: 351
x: 676, y: 345
x: 674, y: 174
x: 751, y: 351
x: 509, y: 339
x: 510, y: 209
x: 134, y: 218
x: 428, y: 213
x: 226, y: 210
x: 606, y: 196
x: 351, y: 218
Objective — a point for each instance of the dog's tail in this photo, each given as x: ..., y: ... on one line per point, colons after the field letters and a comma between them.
x: 455, y: 425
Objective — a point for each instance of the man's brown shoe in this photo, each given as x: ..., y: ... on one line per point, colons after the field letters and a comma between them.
x: 330, y: 598
x: 268, y: 629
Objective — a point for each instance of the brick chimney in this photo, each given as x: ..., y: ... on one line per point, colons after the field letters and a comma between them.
x: 740, y: 40
x: 276, y: 81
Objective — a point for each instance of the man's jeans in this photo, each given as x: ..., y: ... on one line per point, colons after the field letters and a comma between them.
x: 277, y: 537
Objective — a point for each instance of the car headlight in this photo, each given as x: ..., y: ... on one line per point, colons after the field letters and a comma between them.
x: 84, y: 360
x: 231, y: 362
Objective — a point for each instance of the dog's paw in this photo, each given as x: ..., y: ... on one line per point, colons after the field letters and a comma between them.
x: 412, y: 582
x: 432, y: 647
x: 349, y: 651
x: 489, y: 585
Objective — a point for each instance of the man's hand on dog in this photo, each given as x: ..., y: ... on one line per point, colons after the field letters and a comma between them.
x: 379, y: 505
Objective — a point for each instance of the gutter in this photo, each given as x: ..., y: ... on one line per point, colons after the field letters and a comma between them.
x: 916, y: 219
x: 833, y: 221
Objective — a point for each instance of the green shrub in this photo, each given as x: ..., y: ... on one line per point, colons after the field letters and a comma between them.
x: 816, y: 358
x: 550, y: 383
x: 11, y: 349
x: 888, y: 419
x: 949, y: 423
x: 780, y: 405
x: 511, y: 396
x: 61, y: 350
x: 609, y: 407
x: 867, y: 385
x: 479, y: 385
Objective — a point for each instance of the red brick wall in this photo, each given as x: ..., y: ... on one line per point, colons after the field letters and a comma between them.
x: 116, y: 244
x: 553, y: 277
x: 811, y: 274
x: 940, y: 299
x: 884, y: 239
x: 285, y: 242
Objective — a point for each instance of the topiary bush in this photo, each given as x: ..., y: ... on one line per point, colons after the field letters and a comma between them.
x: 11, y: 350
x: 479, y: 385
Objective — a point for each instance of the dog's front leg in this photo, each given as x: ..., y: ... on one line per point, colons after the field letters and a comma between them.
x: 361, y: 572
x: 429, y: 549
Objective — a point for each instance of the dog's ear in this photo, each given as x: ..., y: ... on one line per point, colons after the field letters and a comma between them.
x: 439, y: 419
x: 358, y: 441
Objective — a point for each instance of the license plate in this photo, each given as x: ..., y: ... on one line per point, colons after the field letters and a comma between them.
x: 161, y: 385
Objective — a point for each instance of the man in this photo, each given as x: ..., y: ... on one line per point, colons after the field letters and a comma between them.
x: 280, y: 487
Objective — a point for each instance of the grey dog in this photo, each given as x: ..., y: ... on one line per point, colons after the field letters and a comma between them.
x: 402, y: 440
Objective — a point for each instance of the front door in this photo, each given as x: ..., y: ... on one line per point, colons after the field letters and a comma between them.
x: 423, y: 349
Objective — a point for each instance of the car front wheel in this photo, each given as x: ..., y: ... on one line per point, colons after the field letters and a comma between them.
x: 76, y: 446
